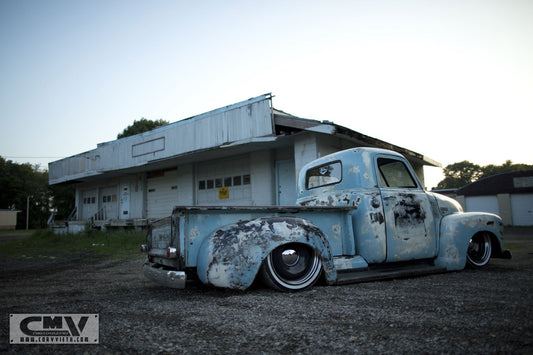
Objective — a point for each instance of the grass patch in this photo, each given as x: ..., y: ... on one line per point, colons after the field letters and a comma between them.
x: 16, y: 232
x: 43, y: 244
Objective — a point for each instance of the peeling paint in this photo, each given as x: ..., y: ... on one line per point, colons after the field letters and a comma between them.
x: 351, y: 224
x: 376, y: 217
x: 237, y: 251
x: 336, y: 229
x: 354, y: 169
x: 194, y: 233
x: 408, y: 212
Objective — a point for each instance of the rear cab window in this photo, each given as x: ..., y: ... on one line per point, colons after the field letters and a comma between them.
x: 323, y: 175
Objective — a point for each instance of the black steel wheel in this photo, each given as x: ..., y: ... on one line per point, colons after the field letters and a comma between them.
x: 479, y: 250
x: 291, y: 267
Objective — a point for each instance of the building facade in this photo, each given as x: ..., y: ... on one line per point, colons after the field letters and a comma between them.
x: 247, y: 153
x: 509, y: 195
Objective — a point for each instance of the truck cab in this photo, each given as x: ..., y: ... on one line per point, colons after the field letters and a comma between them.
x: 395, y: 218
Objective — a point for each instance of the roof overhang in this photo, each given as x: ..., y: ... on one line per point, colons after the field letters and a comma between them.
x: 271, y: 129
x: 283, y: 119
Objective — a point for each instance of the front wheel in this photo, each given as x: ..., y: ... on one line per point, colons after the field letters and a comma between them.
x: 291, y: 267
x: 479, y: 250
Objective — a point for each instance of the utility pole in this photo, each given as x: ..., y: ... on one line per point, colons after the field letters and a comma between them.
x: 27, y: 212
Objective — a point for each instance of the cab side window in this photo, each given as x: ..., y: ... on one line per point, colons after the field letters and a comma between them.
x: 394, y: 173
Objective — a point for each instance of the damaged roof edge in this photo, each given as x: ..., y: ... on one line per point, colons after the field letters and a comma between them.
x: 343, y: 131
x: 382, y: 144
x: 267, y: 96
x: 327, y: 127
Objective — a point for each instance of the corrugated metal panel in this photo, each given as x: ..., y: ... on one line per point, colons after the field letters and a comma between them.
x: 238, y: 122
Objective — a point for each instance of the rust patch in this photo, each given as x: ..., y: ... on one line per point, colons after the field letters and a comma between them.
x: 408, y: 212
x: 377, y: 217
x: 239, y: 249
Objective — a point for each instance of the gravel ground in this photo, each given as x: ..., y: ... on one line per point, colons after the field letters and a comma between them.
x: 474, y: 311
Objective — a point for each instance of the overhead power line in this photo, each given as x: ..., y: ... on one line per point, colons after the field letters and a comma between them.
x: 20, y: 157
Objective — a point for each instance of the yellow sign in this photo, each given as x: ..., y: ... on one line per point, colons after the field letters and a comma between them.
x: 223, y: 192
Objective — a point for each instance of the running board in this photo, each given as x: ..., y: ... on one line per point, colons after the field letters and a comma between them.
x: 386, y: 272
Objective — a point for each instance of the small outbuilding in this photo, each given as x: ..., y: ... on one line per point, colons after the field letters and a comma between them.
x: 509, y: 195
x: 8, y: 219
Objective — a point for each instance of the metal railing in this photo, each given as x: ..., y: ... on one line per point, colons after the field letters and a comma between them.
x: 101, y: 215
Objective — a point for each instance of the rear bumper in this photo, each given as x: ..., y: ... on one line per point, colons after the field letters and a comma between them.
x: 168, y: 278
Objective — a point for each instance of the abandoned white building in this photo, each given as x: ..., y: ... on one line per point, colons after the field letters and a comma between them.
x: 247, y: 153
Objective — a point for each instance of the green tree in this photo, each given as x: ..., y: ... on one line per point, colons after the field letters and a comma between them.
x: 21, y: 184
x: 507, y: 167
x: 459, y: 174
x: 140, y: 126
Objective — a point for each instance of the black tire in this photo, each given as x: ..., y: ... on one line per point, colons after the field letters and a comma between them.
x: 291, y: 267
x: 479, y: 250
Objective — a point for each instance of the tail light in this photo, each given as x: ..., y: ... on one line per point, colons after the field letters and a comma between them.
x: 171, y: 252
x: 144, y: 248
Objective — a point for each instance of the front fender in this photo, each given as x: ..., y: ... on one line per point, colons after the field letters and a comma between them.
x: 455, y: 233
x: 231, y: 256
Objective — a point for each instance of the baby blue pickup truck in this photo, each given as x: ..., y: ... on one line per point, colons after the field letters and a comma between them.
x: 362, y: 215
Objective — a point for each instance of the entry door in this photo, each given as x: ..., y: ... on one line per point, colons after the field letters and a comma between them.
x: 89, y: 203
x: 286, y: 183
x: 108, y: 200
x: 409, y: 219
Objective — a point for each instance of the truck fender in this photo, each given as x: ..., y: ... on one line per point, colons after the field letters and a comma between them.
x: 456, y: 231
x: 232, y: 255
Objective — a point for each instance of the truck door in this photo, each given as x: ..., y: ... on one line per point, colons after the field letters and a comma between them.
x: 410, y: 224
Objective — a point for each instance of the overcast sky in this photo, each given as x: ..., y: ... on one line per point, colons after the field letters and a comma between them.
x: 452, y: 80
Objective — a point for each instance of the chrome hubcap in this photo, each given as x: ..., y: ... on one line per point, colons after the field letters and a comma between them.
x: 290, y: 257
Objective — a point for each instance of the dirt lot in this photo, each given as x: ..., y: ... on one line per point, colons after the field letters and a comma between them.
x: 474, y: 311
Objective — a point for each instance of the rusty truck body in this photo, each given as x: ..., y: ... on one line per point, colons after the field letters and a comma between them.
x: 361, y: 215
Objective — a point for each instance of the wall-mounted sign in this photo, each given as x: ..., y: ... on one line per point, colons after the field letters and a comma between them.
x: 223, y: 192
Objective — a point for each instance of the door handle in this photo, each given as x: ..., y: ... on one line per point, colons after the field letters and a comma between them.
x: 389, y: 198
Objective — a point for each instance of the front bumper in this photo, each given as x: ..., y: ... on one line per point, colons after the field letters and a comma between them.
x: 168, y: 278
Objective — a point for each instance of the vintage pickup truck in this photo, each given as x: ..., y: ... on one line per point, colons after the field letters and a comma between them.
x: 361, y: 215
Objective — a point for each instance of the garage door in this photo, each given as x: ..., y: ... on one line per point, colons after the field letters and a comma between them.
x: 162, y: 193
x: 482, y: 204
x: 224, y: 183
x: 522, y: 209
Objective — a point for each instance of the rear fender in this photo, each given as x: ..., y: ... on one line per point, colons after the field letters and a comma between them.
x: 231, y: 256
x: 455, y: 233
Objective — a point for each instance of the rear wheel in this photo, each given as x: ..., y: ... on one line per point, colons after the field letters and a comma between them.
x: 291, y: 267
x: 479, y: 250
